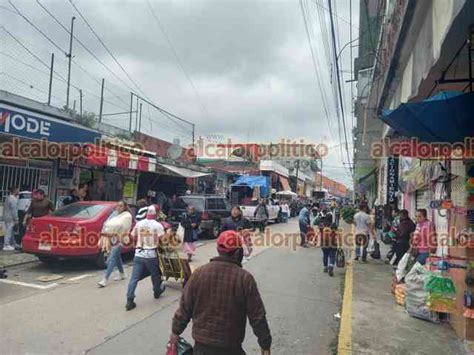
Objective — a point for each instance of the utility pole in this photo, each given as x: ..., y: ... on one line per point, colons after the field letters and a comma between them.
x: 51, y: 71
x: 297, y: 163
x: 101, y: 100
x: 131, y: 111
x: 136, y: 116
x: 74, y: 106
x: 80, y: 101
x: 140, y: 119
x: 193, y: 133
x: 69, y: 55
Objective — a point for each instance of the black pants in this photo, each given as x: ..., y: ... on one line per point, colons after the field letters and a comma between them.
x: 303, y: 232
x: 21, y: 227
x: 201, y: 349
x: 400, y: 250
x: 260, y: 225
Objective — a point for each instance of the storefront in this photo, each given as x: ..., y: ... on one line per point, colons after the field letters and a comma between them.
x: 33, y: 140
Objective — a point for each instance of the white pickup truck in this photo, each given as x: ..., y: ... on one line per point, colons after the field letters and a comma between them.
x: 249, y: 210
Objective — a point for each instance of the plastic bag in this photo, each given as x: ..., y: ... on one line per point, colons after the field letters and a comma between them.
x: 182, y: 347
x: 416, y: 295
x: 371, y: 246
x: 402, y: 267
x: 340, y: 258
x: 376, y: 252
x: 180, y: 232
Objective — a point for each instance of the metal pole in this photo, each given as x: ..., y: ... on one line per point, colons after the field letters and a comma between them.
x: 321, y: 176
x: 74, y: 106
x: 69, y: 55
x: 131, y: 110
x: 140, y: 118
x: 136, y: 117
x: 80, y: 101
x: 194, y: 126
x: 297, y: 170
x: 469, y: 51
x: 101, y: 100
x: 51, y: 71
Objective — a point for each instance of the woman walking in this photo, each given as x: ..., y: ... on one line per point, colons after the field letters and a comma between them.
x: 190, y: 222
x: 116, y: 230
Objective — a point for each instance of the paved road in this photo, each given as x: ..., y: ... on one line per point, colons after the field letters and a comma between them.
x: 75, y: 316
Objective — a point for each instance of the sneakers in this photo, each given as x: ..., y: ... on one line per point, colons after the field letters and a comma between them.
x: 130, y: 305
x: 120, y: 277
x: 325, y: 269
x: 331, y: 271
x: 162, y: 289
x: 102, y: 283
x: 8, y: 248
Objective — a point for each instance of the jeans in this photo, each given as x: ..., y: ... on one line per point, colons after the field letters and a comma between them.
x: 9, y: 234
x: 260, y: 225
x: 362, y: 241
x: 140, y: 265
x: 329, y: 257
x: 303, y: 231
x: 284, y: 216
x: 421, y: 258
x: 21, y: 227
x: 115, y: 259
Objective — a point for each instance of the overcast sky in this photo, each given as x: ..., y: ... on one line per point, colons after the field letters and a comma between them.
x: 249, y: 63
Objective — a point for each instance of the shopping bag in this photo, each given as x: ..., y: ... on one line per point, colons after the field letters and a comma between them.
x: 340, y: 258
x: 180, y: 232
x: 376, y: 252
x: 371, y: 247
x: 182, y: 347
x: 402, y: 267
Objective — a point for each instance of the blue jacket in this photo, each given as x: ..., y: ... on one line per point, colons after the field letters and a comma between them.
x: 304, y: 216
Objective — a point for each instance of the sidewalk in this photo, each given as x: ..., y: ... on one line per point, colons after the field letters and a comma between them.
x: 372, y: 322
x: 12, y: 258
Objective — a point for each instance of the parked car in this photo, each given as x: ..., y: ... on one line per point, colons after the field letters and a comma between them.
x: 72, y: 231
x: 212, y: 209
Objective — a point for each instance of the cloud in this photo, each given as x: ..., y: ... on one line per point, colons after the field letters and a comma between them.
x: 249, y: 62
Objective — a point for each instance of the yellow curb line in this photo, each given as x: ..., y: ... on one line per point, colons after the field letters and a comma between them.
x: 345, y: 330
x: 344, y: 345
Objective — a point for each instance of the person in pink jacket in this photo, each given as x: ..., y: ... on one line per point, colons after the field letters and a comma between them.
x: 424, y: 238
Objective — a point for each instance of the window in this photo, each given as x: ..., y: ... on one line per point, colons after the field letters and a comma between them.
x: 79, y: 211
x: 183, y: 202
x: 216, y: 204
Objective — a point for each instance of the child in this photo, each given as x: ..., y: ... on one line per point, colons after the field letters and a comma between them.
x: 329, y: 242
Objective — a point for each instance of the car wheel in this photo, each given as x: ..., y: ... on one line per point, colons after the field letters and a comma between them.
x: 46, y: 259
x: 216, y: 229
x: 101, y: 260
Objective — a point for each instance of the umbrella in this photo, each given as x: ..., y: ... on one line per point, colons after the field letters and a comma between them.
x: 444, y: 117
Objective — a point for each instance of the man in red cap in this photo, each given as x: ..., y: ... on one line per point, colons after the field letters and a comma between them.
x: 219, y: 297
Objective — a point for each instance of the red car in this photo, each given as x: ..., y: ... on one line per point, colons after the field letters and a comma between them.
x: 72, y: 231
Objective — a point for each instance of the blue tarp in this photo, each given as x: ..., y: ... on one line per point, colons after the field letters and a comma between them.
x: 252, y: 181
x: 444, y: 117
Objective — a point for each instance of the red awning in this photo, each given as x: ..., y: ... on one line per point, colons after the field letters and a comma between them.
x: 284, y: 183
x: 123, y: 160
x: 95, y: 155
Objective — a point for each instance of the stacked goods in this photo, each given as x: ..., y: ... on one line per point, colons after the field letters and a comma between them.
x: 394, y: 283
x: 416, y: 294
x: 442, y: 293
x: 400, y: 294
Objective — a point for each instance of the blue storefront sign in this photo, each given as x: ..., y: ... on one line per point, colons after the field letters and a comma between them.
x: 32, y: 125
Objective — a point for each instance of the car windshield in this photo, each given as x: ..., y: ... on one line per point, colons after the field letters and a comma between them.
x: 78, y: 210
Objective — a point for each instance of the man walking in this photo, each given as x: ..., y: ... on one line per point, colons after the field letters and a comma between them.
x: 261, y: 215
x: 10, y: 217
x: 147, y: 232
x: 362, y: 231
x: 304, y: 220
x: 219, y: 297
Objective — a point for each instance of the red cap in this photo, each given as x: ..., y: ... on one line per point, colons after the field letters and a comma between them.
x: 229, y: 241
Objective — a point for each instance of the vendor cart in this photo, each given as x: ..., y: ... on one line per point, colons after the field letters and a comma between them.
x: 172, y: 266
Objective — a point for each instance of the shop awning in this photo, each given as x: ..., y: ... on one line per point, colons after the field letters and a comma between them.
x: 184, y: 172
x: 284, y: 183
x: 445, y: 117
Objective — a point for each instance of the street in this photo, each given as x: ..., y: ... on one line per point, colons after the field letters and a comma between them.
x: 76, y: 316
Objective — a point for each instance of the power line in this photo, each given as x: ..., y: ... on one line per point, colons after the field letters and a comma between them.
x: 315, y: 66
x: 106, y: 48
x: 36, y: 28
x: 338, y: 79
x: 84, y: 46
x: 180, y: 64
